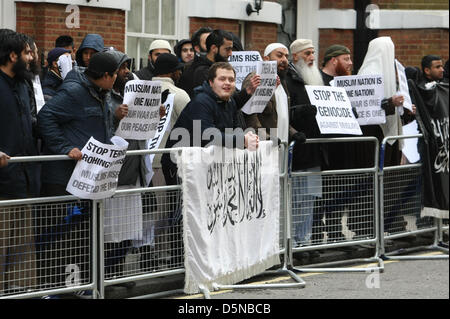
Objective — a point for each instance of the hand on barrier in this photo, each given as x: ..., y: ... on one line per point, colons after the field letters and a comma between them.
x: 4, y: 159
x: 299, y: 137
x: 75, y: 154
x: 251, y: 141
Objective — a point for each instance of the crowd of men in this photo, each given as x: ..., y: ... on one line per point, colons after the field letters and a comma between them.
x: 83, y: 94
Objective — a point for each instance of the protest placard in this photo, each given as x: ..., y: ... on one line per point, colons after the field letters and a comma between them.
x: 244, y: 62
x: 403, y: 86
x: 365, y: 93
x: 96, y: 175
x: 334, y: 112
x: 154, y: 143
x: 257, y: 103
x: 143, y: 99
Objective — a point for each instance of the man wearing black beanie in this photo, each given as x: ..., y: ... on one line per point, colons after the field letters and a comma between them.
x: 80, y: 109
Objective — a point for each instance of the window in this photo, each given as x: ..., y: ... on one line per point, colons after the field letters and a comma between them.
x: 148, y: 20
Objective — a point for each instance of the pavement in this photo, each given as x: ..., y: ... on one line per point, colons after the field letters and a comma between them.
x: 147, y: 288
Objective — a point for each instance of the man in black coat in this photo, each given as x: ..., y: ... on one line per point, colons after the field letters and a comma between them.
x: 17, y: 180
x: 219, y: 45
x: 306, y: 157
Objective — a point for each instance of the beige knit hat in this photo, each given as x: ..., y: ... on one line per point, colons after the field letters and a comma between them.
x: 300, y: 45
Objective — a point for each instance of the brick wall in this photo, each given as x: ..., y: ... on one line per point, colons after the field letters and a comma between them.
x: 412, y: 4
x: 45, y: 22
x: 337, y: 4
x: 257, y: 34
x: 329, y: 37
x: 412, y: 45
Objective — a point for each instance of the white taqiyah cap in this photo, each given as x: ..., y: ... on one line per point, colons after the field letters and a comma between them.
x: 274, y: 46
x: 160, y: 44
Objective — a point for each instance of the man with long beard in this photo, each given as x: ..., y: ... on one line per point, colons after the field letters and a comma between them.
x: 306, y: 157
x: 17, y: 180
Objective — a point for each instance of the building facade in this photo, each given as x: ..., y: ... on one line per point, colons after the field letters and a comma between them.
x: 417, y: 27
x: 131, y: 25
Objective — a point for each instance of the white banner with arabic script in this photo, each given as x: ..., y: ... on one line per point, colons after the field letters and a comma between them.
x: 231, y: 214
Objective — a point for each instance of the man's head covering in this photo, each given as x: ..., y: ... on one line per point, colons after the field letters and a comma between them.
x: 380, y: 59
x: 179, y: 46
x: 273, y: 46
x: 167, y: 63
x: 120, y: 57
x: 90, y: 41
x: 102, y: 62
x: 54, y: 54
x: 160, y: 44
x: 300, y: 45
x: 334, y: 51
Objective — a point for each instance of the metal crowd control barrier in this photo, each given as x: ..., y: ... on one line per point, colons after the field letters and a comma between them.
x: 89, y: 245
x: 47, y: 244
x: 401, y: 204
x: 343, y: 197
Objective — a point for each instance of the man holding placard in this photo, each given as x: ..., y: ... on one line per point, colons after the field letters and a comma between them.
x: 276, y: 113
x: 80, y: 110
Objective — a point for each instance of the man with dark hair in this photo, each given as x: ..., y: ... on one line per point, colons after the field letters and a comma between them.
x: 80, y: 109
x: 66, y: 42
x: 17, y: 180
x: 199, y: 40
x: 432, y: 68
x: 184, y: 51
x: 219, y: 45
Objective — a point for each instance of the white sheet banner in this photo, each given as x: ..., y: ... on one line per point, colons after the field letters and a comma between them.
x: 244, y: 62
x: 143, y: 99
x: 403, y: 85
x: 38, y: 94
x: 154, y: 143
x: 410, y: 149
x: 365, y: 93
x: 96, y: 175
x: 334, y: 112
x: 258, y: 102
x: 230, y: 214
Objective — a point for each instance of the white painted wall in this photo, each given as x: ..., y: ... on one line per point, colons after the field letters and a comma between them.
x: 388, y: 19
x: 233, y: 9
x: 111, y: 4
x: 7, y: 14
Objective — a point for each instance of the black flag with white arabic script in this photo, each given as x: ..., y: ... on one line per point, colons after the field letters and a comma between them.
x: 432, y: 115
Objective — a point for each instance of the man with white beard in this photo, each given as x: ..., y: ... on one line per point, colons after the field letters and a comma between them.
x: 306, y: 190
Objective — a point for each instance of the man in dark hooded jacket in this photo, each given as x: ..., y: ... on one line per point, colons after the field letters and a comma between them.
x: 92, y: 44
x: 80, y: 109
